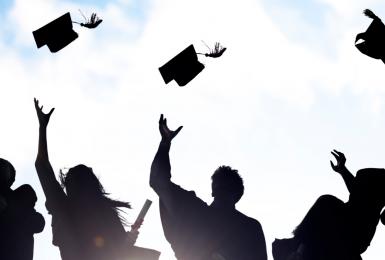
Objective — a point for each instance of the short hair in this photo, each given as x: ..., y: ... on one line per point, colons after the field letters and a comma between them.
x: 4, y: 165
x: 226, y: 182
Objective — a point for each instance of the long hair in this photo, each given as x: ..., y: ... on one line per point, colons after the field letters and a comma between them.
x: 82, y: 179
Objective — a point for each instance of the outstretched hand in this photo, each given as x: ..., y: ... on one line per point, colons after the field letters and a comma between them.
x: 43, y: 118
x: 165, y: 132
x: 341, y: 160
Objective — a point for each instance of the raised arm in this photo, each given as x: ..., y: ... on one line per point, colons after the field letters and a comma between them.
x: 161, y: 169
x: 342, y: 170
x: 43, y: 167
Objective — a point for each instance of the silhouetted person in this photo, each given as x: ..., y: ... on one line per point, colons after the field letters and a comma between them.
x: 373, y: 44
x: 333, y: 229
x: 86, y: 224
x: 199, y: 231
x: 19, y: 221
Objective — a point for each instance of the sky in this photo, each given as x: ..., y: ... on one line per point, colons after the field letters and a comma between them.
x: 290, y: 87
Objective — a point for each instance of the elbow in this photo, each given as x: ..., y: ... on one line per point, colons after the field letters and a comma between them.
x: 153, y: 183
x: 39, y: 163
x: 157, y: 183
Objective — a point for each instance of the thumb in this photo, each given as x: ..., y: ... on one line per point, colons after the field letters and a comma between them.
x: 50, y: 112
x: 177, y: 130
x: 332, y: 165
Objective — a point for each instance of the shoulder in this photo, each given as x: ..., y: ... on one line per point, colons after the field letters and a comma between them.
x: 250, y: 222
x: 186, y: 195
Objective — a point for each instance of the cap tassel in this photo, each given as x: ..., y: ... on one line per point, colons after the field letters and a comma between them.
x: 91, y: 23
x: 216, y: 52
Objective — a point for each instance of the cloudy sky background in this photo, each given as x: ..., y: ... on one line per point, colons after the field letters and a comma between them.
x: 290, y: 88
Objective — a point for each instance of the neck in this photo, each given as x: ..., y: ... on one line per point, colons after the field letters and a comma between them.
x: 223, y: 204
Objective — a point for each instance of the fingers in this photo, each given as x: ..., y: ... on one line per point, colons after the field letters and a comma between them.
x: 177, y: 130
x: 50, y: 112
x: 36, y: 103
x: 332, y: 165
x: 340, y: 154
x: 162, y: 120
x: 335, y: 154
x: 340, y: 157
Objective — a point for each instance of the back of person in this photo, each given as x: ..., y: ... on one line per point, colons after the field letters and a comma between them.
x: 365, y: 204
x: 236, y: 234
x: 205, y: 232
x: 19, y: 222
x: 86, y: 232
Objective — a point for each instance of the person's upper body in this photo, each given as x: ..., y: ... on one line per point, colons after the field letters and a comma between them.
x: 19, y: 220
x: 86, y: 224
x: 366, y: 201
x: 336, y: 230
x: 199, y: 231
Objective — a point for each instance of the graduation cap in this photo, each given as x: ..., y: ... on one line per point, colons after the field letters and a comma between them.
x: 185, y: 66
x: 373, y: 44
x: 59, y: 33
x: 56, y: 34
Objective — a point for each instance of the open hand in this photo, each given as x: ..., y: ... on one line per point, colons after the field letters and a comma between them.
x: 341, y: 160
x: 43, y: 118
x: 165, y: 132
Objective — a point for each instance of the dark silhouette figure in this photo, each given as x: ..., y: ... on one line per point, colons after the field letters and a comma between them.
x: 199, y: 231
x: 86, y: 224
x: 19, y: 221
x: 373, y: 39
x: 336, y: 230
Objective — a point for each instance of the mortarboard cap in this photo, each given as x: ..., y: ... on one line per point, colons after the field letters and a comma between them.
x: 182, y: 68
x: 57, y: 34
x: 373, y: 44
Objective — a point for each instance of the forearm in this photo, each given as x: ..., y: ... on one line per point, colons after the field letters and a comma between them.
x: 348, y: 178
x: 42, y: 154
x: 161, y: 167
x: 42, y: 164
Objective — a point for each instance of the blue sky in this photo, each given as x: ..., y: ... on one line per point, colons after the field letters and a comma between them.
x: 290, y: 88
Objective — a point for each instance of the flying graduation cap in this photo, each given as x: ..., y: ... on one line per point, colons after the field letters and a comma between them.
x: 373, y: 44
x: 59, y: 33
x: 185, y: 66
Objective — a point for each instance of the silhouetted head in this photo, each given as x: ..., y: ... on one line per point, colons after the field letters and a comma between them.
x: 369, y: 187
x: 82, y: 186
x: 227, y: 185
x: 80, y: 181
x: 7, y: 174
